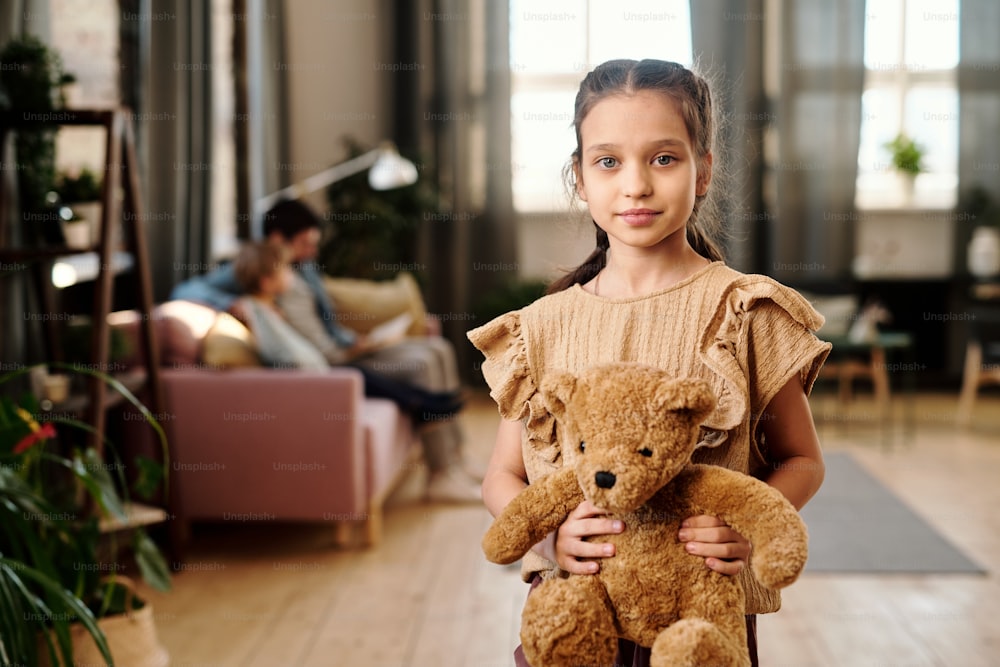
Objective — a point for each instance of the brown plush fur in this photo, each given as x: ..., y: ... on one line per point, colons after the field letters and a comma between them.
x: 641, y: 426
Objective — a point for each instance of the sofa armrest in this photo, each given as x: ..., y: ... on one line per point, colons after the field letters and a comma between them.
x: 266, y: 444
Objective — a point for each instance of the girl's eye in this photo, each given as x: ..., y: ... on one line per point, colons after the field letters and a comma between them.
x: 607, y: 162
x: 646, y: 451
x: 583, y: 445
x: 664, y: 160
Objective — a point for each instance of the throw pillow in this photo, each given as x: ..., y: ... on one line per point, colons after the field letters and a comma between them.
x: 229, y: 344
x: 180, y: 327
x: 361, y: 305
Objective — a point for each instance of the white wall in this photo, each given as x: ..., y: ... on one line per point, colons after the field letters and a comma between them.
x: 338, y: 83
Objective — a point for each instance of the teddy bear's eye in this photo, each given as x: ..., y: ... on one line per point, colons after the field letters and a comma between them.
x: 646, y: 451
x: 583, y: 445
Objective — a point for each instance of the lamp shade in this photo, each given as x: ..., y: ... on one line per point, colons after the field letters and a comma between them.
x: 391, y: 170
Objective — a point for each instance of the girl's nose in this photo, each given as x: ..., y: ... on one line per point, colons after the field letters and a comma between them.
x: 636, y: 182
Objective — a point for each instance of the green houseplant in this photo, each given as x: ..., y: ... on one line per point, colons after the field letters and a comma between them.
x: 907, y: 159
x: 907, y: 155
x: 374, y: 233
x: 57, y: 568
x: 31, y: 82
x: 81, y: 186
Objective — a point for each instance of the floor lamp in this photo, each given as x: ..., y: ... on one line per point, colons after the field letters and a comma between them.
x: 387, y: 170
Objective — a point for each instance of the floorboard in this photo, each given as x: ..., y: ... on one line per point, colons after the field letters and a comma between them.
x: 273, y: 594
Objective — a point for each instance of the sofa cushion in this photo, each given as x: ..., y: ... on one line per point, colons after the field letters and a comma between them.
x: 229, y: 344
x: 388, y: 438
x: 361, y: 305
x: 180, y: 327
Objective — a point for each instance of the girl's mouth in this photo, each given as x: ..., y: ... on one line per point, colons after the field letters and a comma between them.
x: 638, y: 217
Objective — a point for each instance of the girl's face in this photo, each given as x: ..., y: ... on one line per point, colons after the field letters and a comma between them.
x: 637, y: 170
x: 278, y: 282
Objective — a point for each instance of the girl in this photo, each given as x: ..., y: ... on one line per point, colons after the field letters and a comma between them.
x: 655, y: 290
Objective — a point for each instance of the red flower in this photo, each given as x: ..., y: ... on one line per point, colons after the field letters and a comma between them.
x: 38, y: 433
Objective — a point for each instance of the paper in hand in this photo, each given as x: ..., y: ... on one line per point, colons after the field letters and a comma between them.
x: 390, y: 331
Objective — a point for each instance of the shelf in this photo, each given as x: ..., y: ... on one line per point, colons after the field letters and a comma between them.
x: 986, y: 291
x: 137, y: 515
x: 77, y: 404
x: 120, y: 246
x: 69, y: 270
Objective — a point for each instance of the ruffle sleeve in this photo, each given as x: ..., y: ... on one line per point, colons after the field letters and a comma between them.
x: 512, y: 385
x: 761, y: 334
x: 505, y: 367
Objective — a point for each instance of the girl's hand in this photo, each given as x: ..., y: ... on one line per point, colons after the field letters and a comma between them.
x: 567, y: 547
x: 723, y: 549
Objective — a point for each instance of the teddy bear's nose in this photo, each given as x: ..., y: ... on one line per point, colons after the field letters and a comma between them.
x: 605, y: 480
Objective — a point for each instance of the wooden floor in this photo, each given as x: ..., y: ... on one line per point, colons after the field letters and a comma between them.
x: 273, y: 595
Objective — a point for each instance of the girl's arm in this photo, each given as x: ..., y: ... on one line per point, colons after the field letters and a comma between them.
x: 504, y: 479
x: 793, y: 445
x: 791, y: 439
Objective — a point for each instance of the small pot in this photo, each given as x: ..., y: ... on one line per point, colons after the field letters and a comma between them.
x: 77, y: 234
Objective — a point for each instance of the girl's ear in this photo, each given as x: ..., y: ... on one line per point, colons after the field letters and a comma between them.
x: 581, y: 191
x: 704, y: 176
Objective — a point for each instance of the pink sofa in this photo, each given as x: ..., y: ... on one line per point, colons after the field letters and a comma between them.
x: 260, y: 444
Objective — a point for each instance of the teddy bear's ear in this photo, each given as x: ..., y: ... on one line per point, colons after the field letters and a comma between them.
x: 558, y: 388
x: 692, y: 396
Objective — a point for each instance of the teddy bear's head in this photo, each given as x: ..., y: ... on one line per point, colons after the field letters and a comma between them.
x: 626, y: 429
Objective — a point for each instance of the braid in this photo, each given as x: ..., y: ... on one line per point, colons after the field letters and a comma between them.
x: 702, y: 243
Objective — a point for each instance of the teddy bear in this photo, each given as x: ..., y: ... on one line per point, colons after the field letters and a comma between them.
x: 626, y: 435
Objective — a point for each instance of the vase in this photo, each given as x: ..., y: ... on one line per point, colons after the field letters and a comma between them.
x: 983, y: 258
x: 908, y: 184
x: 91, y: 212
x: 77, y: 234
x: 131, y: 638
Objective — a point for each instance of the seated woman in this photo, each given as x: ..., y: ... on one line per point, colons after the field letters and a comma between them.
x: 263, y: 272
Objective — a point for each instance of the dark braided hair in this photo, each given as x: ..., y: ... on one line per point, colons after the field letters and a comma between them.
x: 693, y: 98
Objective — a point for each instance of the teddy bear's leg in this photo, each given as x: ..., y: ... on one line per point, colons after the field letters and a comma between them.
x: 695, y: 642
x: 568, y: 623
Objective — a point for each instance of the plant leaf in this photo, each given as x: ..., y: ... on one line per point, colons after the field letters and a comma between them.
x: 89, y: 469
x: 71, y: 606
x: 151, y: 562
x: 149, y: 478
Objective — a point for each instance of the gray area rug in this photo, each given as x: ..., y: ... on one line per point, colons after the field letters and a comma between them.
x: 857, y: 525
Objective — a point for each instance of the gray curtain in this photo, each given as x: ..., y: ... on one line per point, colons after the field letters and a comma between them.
x: 175, y: 124
x: 727, y: 39
x: 472, y: 245
x: 18, y: 338
x: 979, y: 105
x: 267, y: 89
x: 818, y: 119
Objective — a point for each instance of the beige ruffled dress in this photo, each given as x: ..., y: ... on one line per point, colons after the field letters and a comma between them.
x: 746, y: 335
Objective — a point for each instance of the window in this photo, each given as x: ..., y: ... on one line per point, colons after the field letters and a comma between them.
x: 553, y: 44
x: 911, y: 61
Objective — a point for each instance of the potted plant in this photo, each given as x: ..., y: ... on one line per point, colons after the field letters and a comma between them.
x: 907, y: 159
x: 31, y: 84
x: 61, y: 590
x: 374, y: 233
x: 79, y: 195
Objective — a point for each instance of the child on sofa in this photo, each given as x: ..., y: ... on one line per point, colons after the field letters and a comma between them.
x: 264, y: 273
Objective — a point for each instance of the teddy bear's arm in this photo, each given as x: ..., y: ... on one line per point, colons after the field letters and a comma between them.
x: 757, y: 511
x: 533, y: 513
